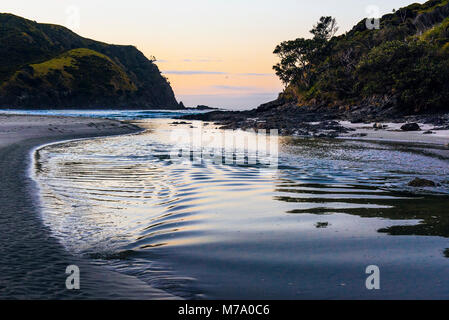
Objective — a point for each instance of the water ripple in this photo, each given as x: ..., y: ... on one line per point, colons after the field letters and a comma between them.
x: 120, y: 201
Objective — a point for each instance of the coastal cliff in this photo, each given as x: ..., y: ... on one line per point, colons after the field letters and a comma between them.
x: 399, y: 66
x: 45, y: 66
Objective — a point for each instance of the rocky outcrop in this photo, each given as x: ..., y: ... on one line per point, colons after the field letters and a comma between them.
x: 421, y: 183
x: 410, y: 127
x: 428, y: 19
x: 36, y: 71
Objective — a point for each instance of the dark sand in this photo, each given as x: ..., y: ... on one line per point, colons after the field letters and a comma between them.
x: 32, y: 262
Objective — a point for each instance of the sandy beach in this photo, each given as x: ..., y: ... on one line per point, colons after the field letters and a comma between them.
x: 33, y: 262
x: 392, y: 133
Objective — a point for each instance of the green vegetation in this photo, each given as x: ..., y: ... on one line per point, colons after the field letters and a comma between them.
x: 438, y: 34
x: 431, y: 5
x: 67, y: 59
x: 59, y: 63
x: 404, y: 64
x: 68, y: 66
x: 49, y: 66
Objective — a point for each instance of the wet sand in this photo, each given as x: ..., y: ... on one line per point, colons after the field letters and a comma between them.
x: 393, y: 133
x: 32, y: 262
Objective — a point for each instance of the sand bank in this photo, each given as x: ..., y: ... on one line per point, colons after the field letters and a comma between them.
x: 32, y: 262
x: 393, y: 133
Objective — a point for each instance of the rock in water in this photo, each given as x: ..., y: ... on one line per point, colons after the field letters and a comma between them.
x: 410, y: 127
x: 419, y: 183
x: 379, y: 126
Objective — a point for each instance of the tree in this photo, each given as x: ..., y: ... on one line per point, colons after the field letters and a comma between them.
x: 299, y: 57
x: 325, y: 29
x: 295, y: 58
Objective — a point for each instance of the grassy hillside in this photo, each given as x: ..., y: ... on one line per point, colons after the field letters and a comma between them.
x: 403, y: 65
x: 76, y: 77
x: 49, y: 66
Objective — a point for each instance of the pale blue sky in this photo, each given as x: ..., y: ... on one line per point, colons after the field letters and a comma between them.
x: 216, y: 52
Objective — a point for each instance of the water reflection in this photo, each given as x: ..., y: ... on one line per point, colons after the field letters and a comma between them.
x: 329, y: 208
x: 382, y: 193
x: 430, y: 210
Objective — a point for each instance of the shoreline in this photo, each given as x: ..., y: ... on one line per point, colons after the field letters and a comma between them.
x: 323, y: 122
x: 391, y: 132
x: 33, y: 261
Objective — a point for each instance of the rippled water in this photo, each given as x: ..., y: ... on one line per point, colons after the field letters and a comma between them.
x: 201, y: 230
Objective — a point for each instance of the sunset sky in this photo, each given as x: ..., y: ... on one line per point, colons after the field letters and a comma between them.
x: 215, y: 52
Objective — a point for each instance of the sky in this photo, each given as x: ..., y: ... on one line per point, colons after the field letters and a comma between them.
x: 214, y: 52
